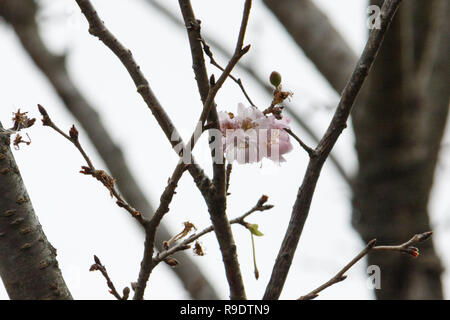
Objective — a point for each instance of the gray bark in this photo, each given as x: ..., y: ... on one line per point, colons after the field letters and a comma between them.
x: 28, y: 265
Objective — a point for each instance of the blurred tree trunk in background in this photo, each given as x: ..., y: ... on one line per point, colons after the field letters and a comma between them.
x: 28, y: 265
x: 399, y: 122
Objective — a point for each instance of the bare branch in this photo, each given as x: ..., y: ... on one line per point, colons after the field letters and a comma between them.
x: 309, y: 150
x: 407, y: 246
x: 260, y: 206
x: 98, y: 266
x: 100, y: 175
x: 340, y: 276
x: 98, y: 29
x: 228, y: 177
x: 149, y: 262
x: 338, y: 123
x: 150, y: 232
x: 213, y: 61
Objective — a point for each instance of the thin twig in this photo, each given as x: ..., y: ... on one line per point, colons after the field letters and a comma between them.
x: 213, y: 61
x: 100, y: 175
x: 340, y: 276
x: 98, y: 266
x: 150, y: 232
x: 228, y: 177
x: 309, y: 150
x: 338, y: 123
x: 98, y: 29
x: 260, y: 206
x: 214, y: 89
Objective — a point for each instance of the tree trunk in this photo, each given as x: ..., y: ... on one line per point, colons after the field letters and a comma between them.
x: 399, y: 123
x: 28, y: 265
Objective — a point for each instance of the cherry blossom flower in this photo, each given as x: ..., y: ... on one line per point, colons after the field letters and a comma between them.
x: 251, y: 136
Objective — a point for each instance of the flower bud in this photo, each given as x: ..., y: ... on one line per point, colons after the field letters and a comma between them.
x: 171, y: 262
x: 275, y: 79
x: 73, y: 133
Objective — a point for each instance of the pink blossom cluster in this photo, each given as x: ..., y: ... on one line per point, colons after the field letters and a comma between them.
x: 251, y: 136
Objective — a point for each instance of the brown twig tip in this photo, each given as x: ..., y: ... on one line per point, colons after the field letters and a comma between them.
x: 245, y: 49
x: 171, y: 262
x: 94, y: 267
x: 424, y: 236
x: 262, y: 200
x: 408, y: 247
x: 120, y: 203
x: 413, y: 251
x: 342, y: 278
x: 89, y: 169
x: 45, y: 117
x: 73, y: 133
x: 403, y: 248
x: 372, y: 243
x: 86, y: 170
x: 97, y: 266
x: 125, y: 293
x: 42, y: 111
x: 31, y: 122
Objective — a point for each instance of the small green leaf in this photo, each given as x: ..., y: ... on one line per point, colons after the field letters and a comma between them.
x: 253, y: 228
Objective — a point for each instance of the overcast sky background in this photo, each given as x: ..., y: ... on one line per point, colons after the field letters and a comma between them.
x: 77, y: 213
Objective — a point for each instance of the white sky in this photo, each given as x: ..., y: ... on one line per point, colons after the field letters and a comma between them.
x: 76, y: 212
